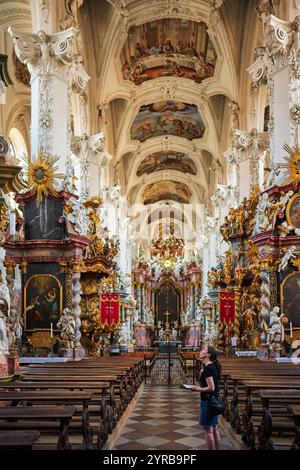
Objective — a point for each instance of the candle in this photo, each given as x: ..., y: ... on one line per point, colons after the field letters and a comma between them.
x: 51, y: 330
x: 291, y: 329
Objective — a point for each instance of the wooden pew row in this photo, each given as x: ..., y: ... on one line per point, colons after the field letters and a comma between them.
x: 18, y: 440
x: 61, y: 378
x: 243, y: 398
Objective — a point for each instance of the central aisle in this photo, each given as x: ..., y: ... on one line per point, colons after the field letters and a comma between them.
x: 165, y: 418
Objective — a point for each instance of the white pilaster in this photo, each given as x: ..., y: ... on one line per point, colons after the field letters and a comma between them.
x: 56, y: 71
x: 277, y: 64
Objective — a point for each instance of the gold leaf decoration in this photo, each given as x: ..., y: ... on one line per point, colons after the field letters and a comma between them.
x: 41, y: 175
x: 293, y: 162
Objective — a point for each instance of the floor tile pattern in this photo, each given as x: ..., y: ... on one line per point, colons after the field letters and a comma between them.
x: 165, y: 418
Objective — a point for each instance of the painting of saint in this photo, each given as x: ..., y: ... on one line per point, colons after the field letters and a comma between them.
x: 167, y: 118
x: 42, y: 302
x: 293, y: 211
x: 290, y: 298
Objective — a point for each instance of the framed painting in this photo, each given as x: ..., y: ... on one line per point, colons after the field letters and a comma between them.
x: 43, y: 299
x: 290, y: 298
x: 293, y: 211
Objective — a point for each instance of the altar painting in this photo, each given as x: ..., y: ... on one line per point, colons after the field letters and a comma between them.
x: 42, y: 302
x: 290, y: 299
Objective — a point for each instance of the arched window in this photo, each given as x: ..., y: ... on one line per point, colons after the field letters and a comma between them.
x: 17, y: 144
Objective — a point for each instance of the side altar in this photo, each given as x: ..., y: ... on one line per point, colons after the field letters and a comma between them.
x: 47, y: 245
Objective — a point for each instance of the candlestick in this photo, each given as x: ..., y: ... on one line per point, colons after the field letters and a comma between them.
x: 51, y: 330
x: 291, y: 329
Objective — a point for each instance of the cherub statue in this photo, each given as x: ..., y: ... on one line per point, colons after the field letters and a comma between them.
x: 67, y: 326
x: 289, y: 253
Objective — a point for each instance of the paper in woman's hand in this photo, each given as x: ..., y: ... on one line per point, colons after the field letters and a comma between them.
x: 187, y: 386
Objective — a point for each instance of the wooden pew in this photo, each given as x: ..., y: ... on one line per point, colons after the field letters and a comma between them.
x: 58, y: 398
x: 104, y: 426
x: 16, y: 440
x: 277, y: 418
x: 22, y: 413
x: 295, y: 410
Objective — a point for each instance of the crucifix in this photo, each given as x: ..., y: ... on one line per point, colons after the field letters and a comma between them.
x: 167, y: 314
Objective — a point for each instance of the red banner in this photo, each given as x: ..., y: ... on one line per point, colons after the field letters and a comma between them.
x: 227, y: 307
x: 109, y: 309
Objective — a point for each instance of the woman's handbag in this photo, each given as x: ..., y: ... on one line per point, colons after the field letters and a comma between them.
x: 215, y: 405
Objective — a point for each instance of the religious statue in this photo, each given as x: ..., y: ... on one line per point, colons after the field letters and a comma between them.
x: 225, y: 229
x: 4, y: 342
x: 262, y: 217
x: 4, y: 291
x: 16, y: 326
x: 124, y: 336
x: 67, y: 325
x: 76, y: 214
x: 174, y: 334
x: 275, y: 335
x: 250, y: 316
x: 161, y: 334
x: 222, y: 333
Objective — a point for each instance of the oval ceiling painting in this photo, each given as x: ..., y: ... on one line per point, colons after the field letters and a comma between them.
x: 159, y: 161
x: 167, y: 118
x: 167, y: 189
x: 168, y: 47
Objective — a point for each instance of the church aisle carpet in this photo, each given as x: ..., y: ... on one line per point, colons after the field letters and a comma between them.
x: 165, y: 418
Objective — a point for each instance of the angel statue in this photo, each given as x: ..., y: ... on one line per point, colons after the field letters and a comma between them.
x: 67, y: 326
x: 289, y: 253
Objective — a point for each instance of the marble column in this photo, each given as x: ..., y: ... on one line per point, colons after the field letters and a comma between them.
x: 277, y: 64
x: 56, y: 69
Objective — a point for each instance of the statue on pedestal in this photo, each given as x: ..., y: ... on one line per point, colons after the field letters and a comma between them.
x: 275, y: 335
x: 67, y: 325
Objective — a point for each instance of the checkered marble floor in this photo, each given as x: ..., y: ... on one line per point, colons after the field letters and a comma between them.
x: 165, y: 418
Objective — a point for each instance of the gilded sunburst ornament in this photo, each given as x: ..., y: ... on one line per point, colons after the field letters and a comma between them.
x: 41, y: 175
x: 293, y: 163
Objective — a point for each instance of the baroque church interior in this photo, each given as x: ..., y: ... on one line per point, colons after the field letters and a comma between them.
x: 149, y: 194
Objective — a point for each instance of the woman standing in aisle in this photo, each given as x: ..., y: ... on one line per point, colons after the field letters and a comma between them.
x: 209, y: 384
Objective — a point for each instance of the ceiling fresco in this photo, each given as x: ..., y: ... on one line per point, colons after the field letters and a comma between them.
x: 168, y: 47
x: 167, y: 118
x: 159, y: 161
x: 167, y: 189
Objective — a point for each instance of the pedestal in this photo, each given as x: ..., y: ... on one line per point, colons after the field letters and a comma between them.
x: 13, y: 364
x: 263, y: 352
x: 79, y: 352
x: 66, y: 352
x: 3, y: 366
